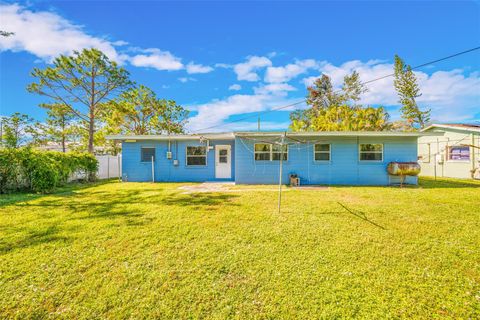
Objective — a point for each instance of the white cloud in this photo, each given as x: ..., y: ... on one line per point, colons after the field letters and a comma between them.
x: 214, y: 113
x: 198, y: 68
x: 120, y: 43
x: 158, y: 59
x: 186, y: 79
x: 223, y: 65
x: 235, y: 87
x: 272, y: 54
x: 452, y: 95
x: 252, y: 125
x: 275, y: 88
x: 47, y: 35
x: 247, y: 70
x: 290, y: 71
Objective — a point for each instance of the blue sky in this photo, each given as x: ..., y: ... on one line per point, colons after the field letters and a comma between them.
x: 226, y: 60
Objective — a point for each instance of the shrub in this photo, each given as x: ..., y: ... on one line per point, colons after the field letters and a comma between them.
x: 9, y: 170
x: 42, y: 171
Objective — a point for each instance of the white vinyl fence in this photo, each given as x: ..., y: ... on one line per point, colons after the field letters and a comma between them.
x: 109, y: 166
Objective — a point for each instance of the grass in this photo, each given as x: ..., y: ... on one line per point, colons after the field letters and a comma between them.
x: 141, y: 250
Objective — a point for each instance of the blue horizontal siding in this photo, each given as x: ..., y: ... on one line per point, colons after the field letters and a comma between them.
x: 135, y: 170
x: 344, y: 167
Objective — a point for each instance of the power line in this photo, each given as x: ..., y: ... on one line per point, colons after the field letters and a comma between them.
x: 426, y: 64
x: 366, y: 82
x: 252, y: 116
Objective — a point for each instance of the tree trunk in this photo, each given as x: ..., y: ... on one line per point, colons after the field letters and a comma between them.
x: 91, y: 131
x: 91, y: 118
x: 63, y: 133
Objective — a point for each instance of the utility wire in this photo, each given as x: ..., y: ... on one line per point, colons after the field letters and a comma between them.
x: 252, y: 116
x: 337, y: 91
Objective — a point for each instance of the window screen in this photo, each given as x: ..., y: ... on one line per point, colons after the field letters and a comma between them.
x: 461, y: 153
x: 322, y: 152
x: 196, y: 156
x: 147, y: 154
x: 371, y: 152
x: 223, y: 156
x: 277, y: 152
x: 268, y: 152
x: 262, y: 151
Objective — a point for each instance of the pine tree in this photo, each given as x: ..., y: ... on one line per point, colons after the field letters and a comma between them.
x: 17, y: 130
x: 84, y: 82
x: 58, y: 127
x: 408, y: 90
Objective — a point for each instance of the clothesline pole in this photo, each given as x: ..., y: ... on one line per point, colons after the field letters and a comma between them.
x: 280, y: 174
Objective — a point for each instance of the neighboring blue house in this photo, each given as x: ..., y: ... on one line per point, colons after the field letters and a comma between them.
x: 330, y: 158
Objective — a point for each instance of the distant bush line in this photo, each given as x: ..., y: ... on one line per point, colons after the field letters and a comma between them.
x: 25, y: 169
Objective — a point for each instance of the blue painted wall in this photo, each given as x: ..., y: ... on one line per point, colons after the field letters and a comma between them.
x: 135, y: 170
x: 344, y: 168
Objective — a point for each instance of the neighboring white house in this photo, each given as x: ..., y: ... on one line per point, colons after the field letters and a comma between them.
x: 456, y: 154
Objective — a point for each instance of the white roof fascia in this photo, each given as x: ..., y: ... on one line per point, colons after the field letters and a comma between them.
x: 446, y: 126
x: 209, y: 136
x: 339, y: 134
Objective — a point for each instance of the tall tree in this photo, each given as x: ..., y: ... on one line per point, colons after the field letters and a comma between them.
x: 338, y: 110
x: 408, y: 91
x: 172, y: 117
x: 321, y: 94
x: 17, y: 130
x: 352, y: 88
x: 84, y: 83
x: 138, y: 111
x: 58, y: 127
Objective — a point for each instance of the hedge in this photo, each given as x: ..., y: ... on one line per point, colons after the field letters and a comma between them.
x: 42, y: 171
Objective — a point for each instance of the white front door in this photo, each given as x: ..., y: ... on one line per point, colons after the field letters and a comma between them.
x: 223, y: 165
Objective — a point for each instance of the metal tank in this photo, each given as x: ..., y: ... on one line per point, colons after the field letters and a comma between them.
x: 403, y: 168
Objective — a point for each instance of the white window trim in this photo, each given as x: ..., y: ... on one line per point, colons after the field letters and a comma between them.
x: 459, y: 161
x: 329, y: 153
x: 360, y: 152
x: 268, y: 152
x: 196, y: 156
x: 154, y: 155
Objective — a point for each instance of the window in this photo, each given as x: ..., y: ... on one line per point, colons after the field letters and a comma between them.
x: 147, y: 154
x: 277, y: 152
x: 223, y: 156
x: 262, y: 151
x: 269, y: 152
x: 459, y: 153
x: 371, y: 152
x: 321, y: 152
x: 196, y: 156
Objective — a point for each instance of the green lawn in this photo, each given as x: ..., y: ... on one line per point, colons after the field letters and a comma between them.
x: 142, y: 250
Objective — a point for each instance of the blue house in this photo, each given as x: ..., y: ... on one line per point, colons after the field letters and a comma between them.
x: 327, y: 158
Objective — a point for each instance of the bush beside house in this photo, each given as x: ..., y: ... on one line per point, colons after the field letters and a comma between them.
x: 40, y: 171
